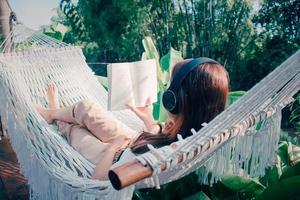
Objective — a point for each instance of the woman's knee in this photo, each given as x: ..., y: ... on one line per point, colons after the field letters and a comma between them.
x: 85, y: 110
x: 87, y: 105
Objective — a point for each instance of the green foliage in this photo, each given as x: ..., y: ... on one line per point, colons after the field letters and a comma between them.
x: 269, y: 52
x: 277, y: 28
x: 234, y: 95
x: 293, y: 171
x: 249, y: 43
x: 53, y: 32
x: 280, y: 17
x: 74, y: 20
x: 168, y: 61
x: 294, y: 118
x: 183, y: 188
x: 272, y: 174
x: 286, y: 189
x: 250, y: 187
x: 217, y: 29
x: 291, y: 116
x: 56, y: 29
x: 289, y: 152
x: 284, y: 174
x: 115, y: 26
x: 198, y: 196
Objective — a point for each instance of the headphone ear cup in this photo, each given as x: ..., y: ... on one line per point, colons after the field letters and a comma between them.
x: 178, y: 107
x: 178, y: 104
x: 169, y: 100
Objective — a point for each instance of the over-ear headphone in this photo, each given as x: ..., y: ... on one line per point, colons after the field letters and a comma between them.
x: 170, y: 99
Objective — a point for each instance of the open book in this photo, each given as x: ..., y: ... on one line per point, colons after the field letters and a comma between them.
x: 131, y: 83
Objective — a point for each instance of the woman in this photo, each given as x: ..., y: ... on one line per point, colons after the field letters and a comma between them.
x: 197, y: 93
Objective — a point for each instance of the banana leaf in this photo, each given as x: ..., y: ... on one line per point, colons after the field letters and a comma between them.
x: 288, y: 188
x: 290, y: 172
x: 168, y: 61
x: 249, y: 186
x: 152, y: 53
x: 233, y: 96
x: 272, y: 174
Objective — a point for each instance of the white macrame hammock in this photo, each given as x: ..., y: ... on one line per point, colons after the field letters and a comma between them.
x: 228, y: 144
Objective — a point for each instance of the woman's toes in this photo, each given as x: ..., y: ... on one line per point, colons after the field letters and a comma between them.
x: 52, y: 96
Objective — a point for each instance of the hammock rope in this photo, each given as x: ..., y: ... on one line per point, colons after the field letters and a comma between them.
x: 275, y: 90
x: 224, y: 145
x: 53, y: 168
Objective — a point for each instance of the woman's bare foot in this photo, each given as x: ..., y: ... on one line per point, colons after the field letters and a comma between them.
x: 52, y: 96
x: 46, y: 113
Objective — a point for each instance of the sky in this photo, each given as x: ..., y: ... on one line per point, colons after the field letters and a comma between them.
x: 34, y: 13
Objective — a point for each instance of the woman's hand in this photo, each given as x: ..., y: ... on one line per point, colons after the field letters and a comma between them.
x: 145, y: 114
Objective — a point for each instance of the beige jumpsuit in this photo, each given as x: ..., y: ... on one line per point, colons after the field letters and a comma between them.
x: 93, y: 131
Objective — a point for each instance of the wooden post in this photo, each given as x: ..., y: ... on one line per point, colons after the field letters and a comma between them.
x: 5, y: 29
x: 3, y: 130
x: 4, y: 20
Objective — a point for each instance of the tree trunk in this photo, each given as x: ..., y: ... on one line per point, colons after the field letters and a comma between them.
x: 4, y: 20
x: 4, y: 23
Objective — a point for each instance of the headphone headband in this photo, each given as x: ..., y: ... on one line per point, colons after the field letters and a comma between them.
x: 169, y: 99
x: 185, y: 69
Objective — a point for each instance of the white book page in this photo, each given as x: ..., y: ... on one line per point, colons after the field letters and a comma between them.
x: 144, y: 81
x: 120, y: 91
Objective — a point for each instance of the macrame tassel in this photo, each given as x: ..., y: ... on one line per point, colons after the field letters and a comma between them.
x: 248, y: 155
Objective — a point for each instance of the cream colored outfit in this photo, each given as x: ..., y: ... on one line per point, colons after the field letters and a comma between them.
x: 93, y: 131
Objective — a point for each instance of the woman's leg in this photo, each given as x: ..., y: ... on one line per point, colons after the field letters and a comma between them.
x: 100, y: 123
x: 90, y: 115
x: 54, y: 112
x: 62, y: 114
x: 79, y: 137
x: 83, y: 141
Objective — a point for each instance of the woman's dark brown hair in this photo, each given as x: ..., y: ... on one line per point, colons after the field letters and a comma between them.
x: 202, y: 96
